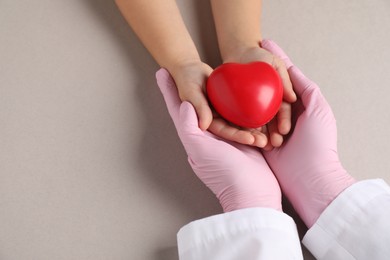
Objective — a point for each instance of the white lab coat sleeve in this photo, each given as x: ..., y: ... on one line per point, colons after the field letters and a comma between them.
x: 356, y: 225
x: 253, y: 233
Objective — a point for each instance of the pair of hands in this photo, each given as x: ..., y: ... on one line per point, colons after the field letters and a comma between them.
x: 190, y: 78
x: 306, y: 167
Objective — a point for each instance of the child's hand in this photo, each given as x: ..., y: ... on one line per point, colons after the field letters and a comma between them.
x: 190, y: 79
x: 281, y: 124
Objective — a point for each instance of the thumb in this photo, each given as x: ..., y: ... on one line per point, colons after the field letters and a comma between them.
x: 272, y: 47
x: 202, y: 149
x: 203, y: 110
x: 300, y: 82
x: 168, y: 88
x: 307, y: 90
x: 188, y: 120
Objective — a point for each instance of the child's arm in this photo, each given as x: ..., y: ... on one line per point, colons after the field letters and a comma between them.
x: 161, y: 29
x: 238, y: 25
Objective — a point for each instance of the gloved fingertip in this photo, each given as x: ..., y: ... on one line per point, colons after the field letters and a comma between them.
x: 272, y: 47
x: 171, y: 97
x: 164, y: 80
x: 188, y: 116
x: 299, y: 80
x: 265, y: 42
x: 287, y: 61
x: 162, y: 73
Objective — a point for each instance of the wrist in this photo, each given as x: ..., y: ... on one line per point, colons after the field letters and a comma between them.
x: 175, y: 56
x: 237, y: 52
x: 175, y: 68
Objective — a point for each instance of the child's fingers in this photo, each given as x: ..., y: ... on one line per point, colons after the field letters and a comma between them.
x: 276, y: 138
x: 188, y: 119
x: 268, y: 146
x: 261, y: 139
x: 221, y: 128
x: 288, y: 91
x: 300, y: 81
x: 281, y: 63
x: 284, y: 118
x: 203, y: 110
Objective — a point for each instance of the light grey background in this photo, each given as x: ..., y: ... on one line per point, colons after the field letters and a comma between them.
x: 90, y: 164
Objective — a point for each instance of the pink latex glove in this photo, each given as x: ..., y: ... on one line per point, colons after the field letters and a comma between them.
x: 237, y: 174
x: 307, y: 165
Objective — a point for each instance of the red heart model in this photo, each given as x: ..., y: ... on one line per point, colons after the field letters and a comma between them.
x: 248, y: 95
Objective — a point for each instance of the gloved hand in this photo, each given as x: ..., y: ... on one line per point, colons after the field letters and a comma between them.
x: 307, y: 165
x: 237, y: 174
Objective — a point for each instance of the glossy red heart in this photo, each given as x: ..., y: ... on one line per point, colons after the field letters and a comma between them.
x: 248, y: 95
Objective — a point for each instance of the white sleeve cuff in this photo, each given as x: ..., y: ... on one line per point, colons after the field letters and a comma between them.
x: 355, y: 225
x: 253, y: 233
